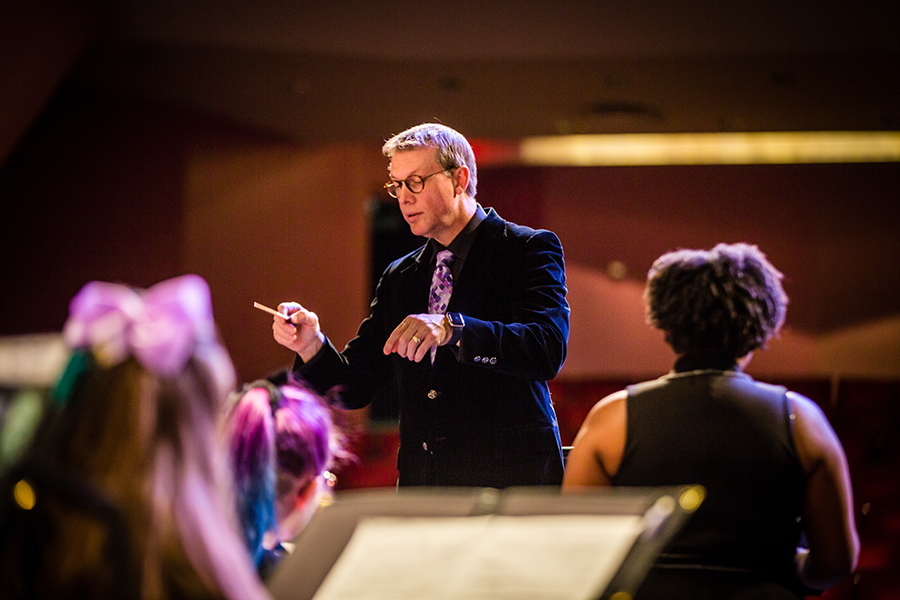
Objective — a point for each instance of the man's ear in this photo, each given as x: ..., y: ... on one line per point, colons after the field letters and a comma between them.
x: 461, y: 179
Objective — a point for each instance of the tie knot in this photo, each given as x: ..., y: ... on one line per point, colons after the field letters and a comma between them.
x: 444, y: 257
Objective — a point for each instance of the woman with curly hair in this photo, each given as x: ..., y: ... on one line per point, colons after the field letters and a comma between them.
x: 777, y: 521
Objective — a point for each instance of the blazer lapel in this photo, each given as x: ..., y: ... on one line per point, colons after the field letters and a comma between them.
x: 418, y: 277
x: 479, y: 262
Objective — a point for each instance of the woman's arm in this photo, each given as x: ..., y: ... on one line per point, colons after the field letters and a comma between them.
x: 828, y: 518
x: 598, y: 448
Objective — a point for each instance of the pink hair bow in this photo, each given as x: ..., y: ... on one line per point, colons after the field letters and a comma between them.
x: 159, y: 327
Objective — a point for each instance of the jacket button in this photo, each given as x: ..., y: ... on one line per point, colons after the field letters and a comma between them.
x: 432, y: 394
x: 477, y: 359
x: 493, y: 360
x: 425, y: 446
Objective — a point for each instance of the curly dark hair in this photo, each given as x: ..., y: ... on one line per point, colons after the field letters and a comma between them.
x: 728, y: 299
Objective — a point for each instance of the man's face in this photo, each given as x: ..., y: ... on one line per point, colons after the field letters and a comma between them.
x: 436, y: 211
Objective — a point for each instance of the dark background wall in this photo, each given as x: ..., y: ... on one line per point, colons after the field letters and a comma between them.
x: 108, y: 186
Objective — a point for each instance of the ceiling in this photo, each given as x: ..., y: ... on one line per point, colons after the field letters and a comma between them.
x: 361, y: 70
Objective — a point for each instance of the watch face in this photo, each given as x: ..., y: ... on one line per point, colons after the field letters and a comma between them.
x: 455, y: 319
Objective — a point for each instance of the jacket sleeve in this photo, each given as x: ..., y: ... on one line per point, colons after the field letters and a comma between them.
x: 358, y: 371
x: 531, y: 342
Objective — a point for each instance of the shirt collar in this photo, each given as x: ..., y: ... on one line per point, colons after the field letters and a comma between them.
x: 463, y: 241
x: 694, y: 361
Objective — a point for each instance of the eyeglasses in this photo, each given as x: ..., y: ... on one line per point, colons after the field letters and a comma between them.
x: 414, y: 183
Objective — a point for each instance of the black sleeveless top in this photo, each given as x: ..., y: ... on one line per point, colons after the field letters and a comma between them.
x: 733, y: 435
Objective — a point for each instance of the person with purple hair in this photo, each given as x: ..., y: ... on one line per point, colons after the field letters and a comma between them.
x: 283, y: 441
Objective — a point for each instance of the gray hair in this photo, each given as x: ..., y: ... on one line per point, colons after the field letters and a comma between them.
x: 453, y: 149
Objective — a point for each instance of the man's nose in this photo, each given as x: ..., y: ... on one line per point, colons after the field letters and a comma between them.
x: 404, y: 195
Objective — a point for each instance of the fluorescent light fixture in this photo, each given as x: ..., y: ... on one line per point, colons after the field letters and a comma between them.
x: 712, y: 148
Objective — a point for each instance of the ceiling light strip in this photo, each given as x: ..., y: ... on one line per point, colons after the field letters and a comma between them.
x: 712, y: 148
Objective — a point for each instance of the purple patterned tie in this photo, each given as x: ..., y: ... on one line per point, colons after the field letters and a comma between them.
x: 441, y: 287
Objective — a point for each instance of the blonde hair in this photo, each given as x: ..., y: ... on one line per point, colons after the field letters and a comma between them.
x: 452, y: 148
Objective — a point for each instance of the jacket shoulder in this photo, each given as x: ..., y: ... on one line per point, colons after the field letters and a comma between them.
x: 499, y: 226
x: 406, y: 261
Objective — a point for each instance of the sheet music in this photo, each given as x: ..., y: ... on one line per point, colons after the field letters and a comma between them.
x: 494, y: 557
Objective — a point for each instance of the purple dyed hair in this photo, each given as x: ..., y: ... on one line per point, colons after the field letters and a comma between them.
x: 252, y: 449
x: 279, y: 437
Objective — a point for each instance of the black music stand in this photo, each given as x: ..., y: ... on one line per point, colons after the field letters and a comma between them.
x: 658, y: 514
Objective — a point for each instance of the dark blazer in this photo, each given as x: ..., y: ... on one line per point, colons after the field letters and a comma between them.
x: 482, y: 414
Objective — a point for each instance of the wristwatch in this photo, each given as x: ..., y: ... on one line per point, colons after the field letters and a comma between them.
x: 456, y: 327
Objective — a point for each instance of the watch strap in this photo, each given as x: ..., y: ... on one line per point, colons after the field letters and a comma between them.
x: 457, y: 323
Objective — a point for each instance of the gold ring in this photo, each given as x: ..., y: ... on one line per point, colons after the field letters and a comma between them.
x: 416, y: 339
